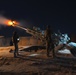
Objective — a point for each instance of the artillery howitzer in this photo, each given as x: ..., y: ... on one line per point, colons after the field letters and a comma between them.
x: 58, y: 38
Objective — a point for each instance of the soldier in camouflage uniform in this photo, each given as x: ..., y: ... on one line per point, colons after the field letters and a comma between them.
x: 15, y: 39
x: 49, y: 41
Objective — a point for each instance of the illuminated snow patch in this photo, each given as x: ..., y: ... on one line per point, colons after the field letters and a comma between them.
x: 26, y: 46
x: 72, y: 44
x: 65, y: 51
x: 33, y: 54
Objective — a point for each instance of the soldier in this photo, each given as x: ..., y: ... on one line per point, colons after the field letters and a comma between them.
x: 49, y: 41
x: 15, y: 42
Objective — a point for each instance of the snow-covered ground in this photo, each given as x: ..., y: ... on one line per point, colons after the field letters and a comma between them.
x: 64, y: 51
x: 28, y: 63
x: 72, y: 45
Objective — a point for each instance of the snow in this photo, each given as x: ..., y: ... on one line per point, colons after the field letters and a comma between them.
x: 34, y: 54
x: 72, y: 44
x: 65, y: 51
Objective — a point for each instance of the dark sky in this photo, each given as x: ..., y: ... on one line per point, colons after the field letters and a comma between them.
x: 60, y: 14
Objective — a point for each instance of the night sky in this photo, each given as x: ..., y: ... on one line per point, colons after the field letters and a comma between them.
x: 60, y: 14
